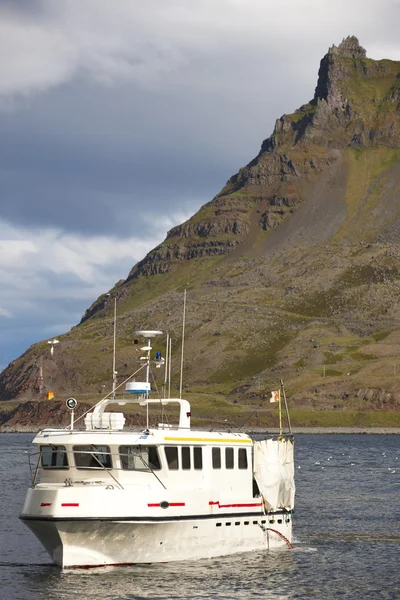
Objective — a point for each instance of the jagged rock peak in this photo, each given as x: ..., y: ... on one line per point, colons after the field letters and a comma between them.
x: 350, y: 48
x: 331, y: 68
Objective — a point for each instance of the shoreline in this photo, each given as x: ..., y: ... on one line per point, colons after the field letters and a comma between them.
x: 338, y: 430
x: 261, y: 430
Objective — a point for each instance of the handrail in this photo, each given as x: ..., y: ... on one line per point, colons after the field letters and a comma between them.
x: 103, y: 466
x: 34, y: 476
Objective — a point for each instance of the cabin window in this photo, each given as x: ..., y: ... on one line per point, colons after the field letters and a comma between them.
x: 139, y: 458
x: 242, y: 458
x: 198, y: 458
x: 185, y: 458
x: 229, y: 458
x: 216, y: 458
x: 54, y: 457
x: 171, y: 454
x: 92, y: 457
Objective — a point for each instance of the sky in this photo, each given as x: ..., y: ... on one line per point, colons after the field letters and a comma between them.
x: 118, y: 120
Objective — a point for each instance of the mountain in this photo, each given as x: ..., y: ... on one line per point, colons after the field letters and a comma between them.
x: 291, y: 271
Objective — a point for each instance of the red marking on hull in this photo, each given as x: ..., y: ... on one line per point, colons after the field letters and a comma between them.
x: 247, y: 505
x: 45, y: 504
x: 70, y: 504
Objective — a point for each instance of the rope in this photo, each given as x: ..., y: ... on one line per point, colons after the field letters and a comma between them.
x: 284, y: 538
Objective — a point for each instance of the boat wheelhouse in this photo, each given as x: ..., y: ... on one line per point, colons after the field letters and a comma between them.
x: 107, y: 495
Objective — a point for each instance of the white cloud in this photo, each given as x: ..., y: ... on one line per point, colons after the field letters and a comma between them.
x: 49, y: 277
x: 128, y: 40
x: 13, y: 251
x: 50, y: 264
x: 5, y: 313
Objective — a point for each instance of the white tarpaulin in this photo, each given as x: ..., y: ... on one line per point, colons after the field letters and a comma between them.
x: 274, y: 473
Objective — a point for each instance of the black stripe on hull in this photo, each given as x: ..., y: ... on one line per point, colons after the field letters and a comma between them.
x: 157, y: 519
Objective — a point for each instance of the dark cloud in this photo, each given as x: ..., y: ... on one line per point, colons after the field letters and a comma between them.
x: 29, y: 8
x: 97, y: 163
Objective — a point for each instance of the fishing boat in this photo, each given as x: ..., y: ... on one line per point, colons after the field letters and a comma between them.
x: 109, y: 495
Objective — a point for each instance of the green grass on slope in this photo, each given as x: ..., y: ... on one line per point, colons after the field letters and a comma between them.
x: 365, y: 167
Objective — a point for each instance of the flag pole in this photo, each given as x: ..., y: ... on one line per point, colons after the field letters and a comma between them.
x: 286, y: 407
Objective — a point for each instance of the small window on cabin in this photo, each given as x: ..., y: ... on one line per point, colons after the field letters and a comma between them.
x: 92, y: 456
x: 229, y: 458
x: 185, y: 458
x: 171, y: 454
x: 216, y: 458
x: 139, y: 458
x: 242, y: 458
x: 198, y: 458
x: 54, y: 457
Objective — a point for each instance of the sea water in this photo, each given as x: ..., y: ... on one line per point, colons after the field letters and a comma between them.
x: 346, y: 528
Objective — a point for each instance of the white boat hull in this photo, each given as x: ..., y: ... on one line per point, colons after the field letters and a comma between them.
x: 92, y: 543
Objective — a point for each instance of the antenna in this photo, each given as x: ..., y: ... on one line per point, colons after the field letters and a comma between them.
x: 166, y: 366
x: 169, y: 367
x: 183, y: 342
x: 114, y: 384
x: 41, y: 377
x: 114, y: 372
x: 147, y: 334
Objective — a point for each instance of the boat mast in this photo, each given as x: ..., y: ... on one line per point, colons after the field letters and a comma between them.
x: 114, y: 383
x: 166, y: 367
x: 183, y: 342
x: 41, y: 384
x: 147, y: 334
x: 169, y: 367
x: 286, y: 407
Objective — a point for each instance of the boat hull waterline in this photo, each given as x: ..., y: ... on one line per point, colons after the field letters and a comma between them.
x: 94, y: 543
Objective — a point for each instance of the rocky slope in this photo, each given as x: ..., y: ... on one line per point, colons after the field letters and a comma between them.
x: 291, y: 270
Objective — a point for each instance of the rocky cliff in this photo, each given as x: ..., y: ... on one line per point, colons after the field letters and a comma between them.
x: 291, y: 270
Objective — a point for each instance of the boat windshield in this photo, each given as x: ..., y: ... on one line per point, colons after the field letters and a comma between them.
x: 53, y: 457
x: 92, y: 457
x: 139, y: 458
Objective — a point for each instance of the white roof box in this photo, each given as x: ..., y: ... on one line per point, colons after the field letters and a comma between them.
x: 138, y: 387
x: 114, y: 421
